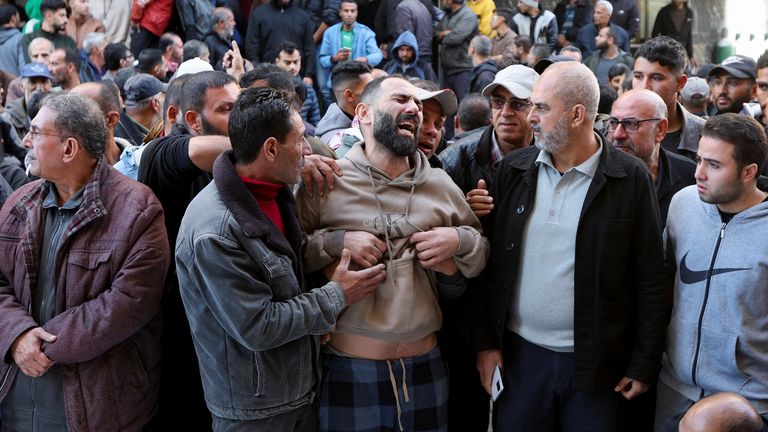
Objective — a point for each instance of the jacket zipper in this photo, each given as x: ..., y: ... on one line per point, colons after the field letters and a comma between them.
x: 704, y: 304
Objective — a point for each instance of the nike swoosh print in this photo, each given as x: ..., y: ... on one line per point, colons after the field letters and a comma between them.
x: 690, y: 277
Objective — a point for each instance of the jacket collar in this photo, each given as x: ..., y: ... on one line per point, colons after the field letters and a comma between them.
x: 246, y: 211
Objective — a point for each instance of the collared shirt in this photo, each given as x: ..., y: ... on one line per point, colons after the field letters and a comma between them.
x: 496, y: 153
x: 56, y: 221
x: 542, y: 307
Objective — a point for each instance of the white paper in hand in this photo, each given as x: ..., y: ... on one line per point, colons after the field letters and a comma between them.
x: 496, y: 385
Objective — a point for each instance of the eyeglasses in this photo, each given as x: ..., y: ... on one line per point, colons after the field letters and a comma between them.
x: 521, y: 105
x: 36, y: 133
x: 630, y: 125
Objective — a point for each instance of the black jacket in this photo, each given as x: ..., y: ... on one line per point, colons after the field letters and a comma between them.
x: 621, y: 306
x: 269, y: 25
x: 583, y: 17
x: 664, y: 26
x: 470, y: 162
x: 482, y: 75
x: 676, y: 173
x: 217, y: 47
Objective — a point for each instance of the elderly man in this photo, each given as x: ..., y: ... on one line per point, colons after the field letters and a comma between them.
x: 52, y: 27
x: 82, y: 254
x: 472, y: 165
x: 637, y: 125
x: 107, y: 96
x: 573, y: 307
x: 241, y: 281
x: 40, y: 51
x: 399, y: 211
x: 601, y: 17
x: 144, y: 97
x: 35, y: 78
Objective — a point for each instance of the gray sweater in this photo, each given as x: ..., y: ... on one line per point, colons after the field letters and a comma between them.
x: 716, y: 340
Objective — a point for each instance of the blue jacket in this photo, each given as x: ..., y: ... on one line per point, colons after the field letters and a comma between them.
x: 11, y: 53
x: 416, y: 69
x: 365, y: 46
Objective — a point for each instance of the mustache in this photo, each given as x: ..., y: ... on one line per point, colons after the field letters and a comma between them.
x: 536, y: 128
x: 407, y: 117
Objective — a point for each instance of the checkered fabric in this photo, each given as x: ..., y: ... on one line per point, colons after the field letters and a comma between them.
x: 359, y: 395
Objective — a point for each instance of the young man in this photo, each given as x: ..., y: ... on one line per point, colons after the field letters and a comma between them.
x: 255, y: 325
x: 718, y: 266
x: 660, y: 67
x: 606, y: 54
x: 383, y: 369
x: 734, y: 84
x: 404, y: 59
x: 344, y: 41
x: 761, y: 90
x: 289, y: 60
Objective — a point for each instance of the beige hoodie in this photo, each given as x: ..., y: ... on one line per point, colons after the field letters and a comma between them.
x: 404, y: 307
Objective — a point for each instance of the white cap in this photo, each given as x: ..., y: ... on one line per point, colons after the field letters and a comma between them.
x: 192, y: 66
x: 445, y: 97
x: 518, y: 79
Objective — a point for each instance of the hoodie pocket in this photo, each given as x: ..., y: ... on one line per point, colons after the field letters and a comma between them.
x: 717, y: 368
x: 403, y: 307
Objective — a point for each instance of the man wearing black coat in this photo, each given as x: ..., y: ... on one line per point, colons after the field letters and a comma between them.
x: 573, y: 305
x: 276, y: 22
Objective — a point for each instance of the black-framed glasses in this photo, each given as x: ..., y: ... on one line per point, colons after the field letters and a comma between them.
x: 521, y: 105
x: 630, y: 125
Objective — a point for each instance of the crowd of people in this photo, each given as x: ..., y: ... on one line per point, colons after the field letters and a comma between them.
x: 274, y: 217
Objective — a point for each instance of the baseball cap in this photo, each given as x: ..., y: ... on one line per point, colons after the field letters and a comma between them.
x: 33, y: 70
x: 445, y: 97
x: 695, y: 88
x: 142, y: 86
x: 544, y: 63
x: 518, y: 79
x: 531, y: 3
x: 738, y: 66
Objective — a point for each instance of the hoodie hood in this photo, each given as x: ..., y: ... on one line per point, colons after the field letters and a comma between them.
x: 406, y: 38
x: 8, y: 33
x: 334, y: 119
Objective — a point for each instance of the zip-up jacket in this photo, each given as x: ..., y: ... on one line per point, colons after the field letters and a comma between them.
x: 716, y: 337
x: 109, y: 280
x: 544, y: 27
x: 620, y: 304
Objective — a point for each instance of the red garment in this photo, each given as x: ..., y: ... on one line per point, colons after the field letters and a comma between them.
x: 265, y: 194
x: 154, y: 16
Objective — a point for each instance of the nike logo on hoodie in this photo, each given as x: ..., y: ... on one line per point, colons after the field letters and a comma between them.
x: 690, y: 277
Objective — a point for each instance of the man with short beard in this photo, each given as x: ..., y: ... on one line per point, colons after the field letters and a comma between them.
x: 718, y: 264
x: 390, y: 207
x: 219, y: 39
x: 575, y: 248
x: 53, y: 26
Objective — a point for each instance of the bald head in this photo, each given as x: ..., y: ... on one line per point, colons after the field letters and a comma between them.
x: 721, y: 412
x: 107, y: 97
x: 40, y: 50
x: 646, y: 111
x: 574, y: 84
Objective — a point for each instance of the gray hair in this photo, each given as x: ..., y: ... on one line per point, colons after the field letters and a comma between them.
x: 481, y: 44
x: 576, y: 85
x: 607, y: 5
x: 93, y: 40
x: 38, y: 40
x: 194, y: 48
x: 80, y: 118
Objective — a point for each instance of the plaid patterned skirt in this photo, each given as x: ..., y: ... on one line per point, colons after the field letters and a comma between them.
x: 383, y: 395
